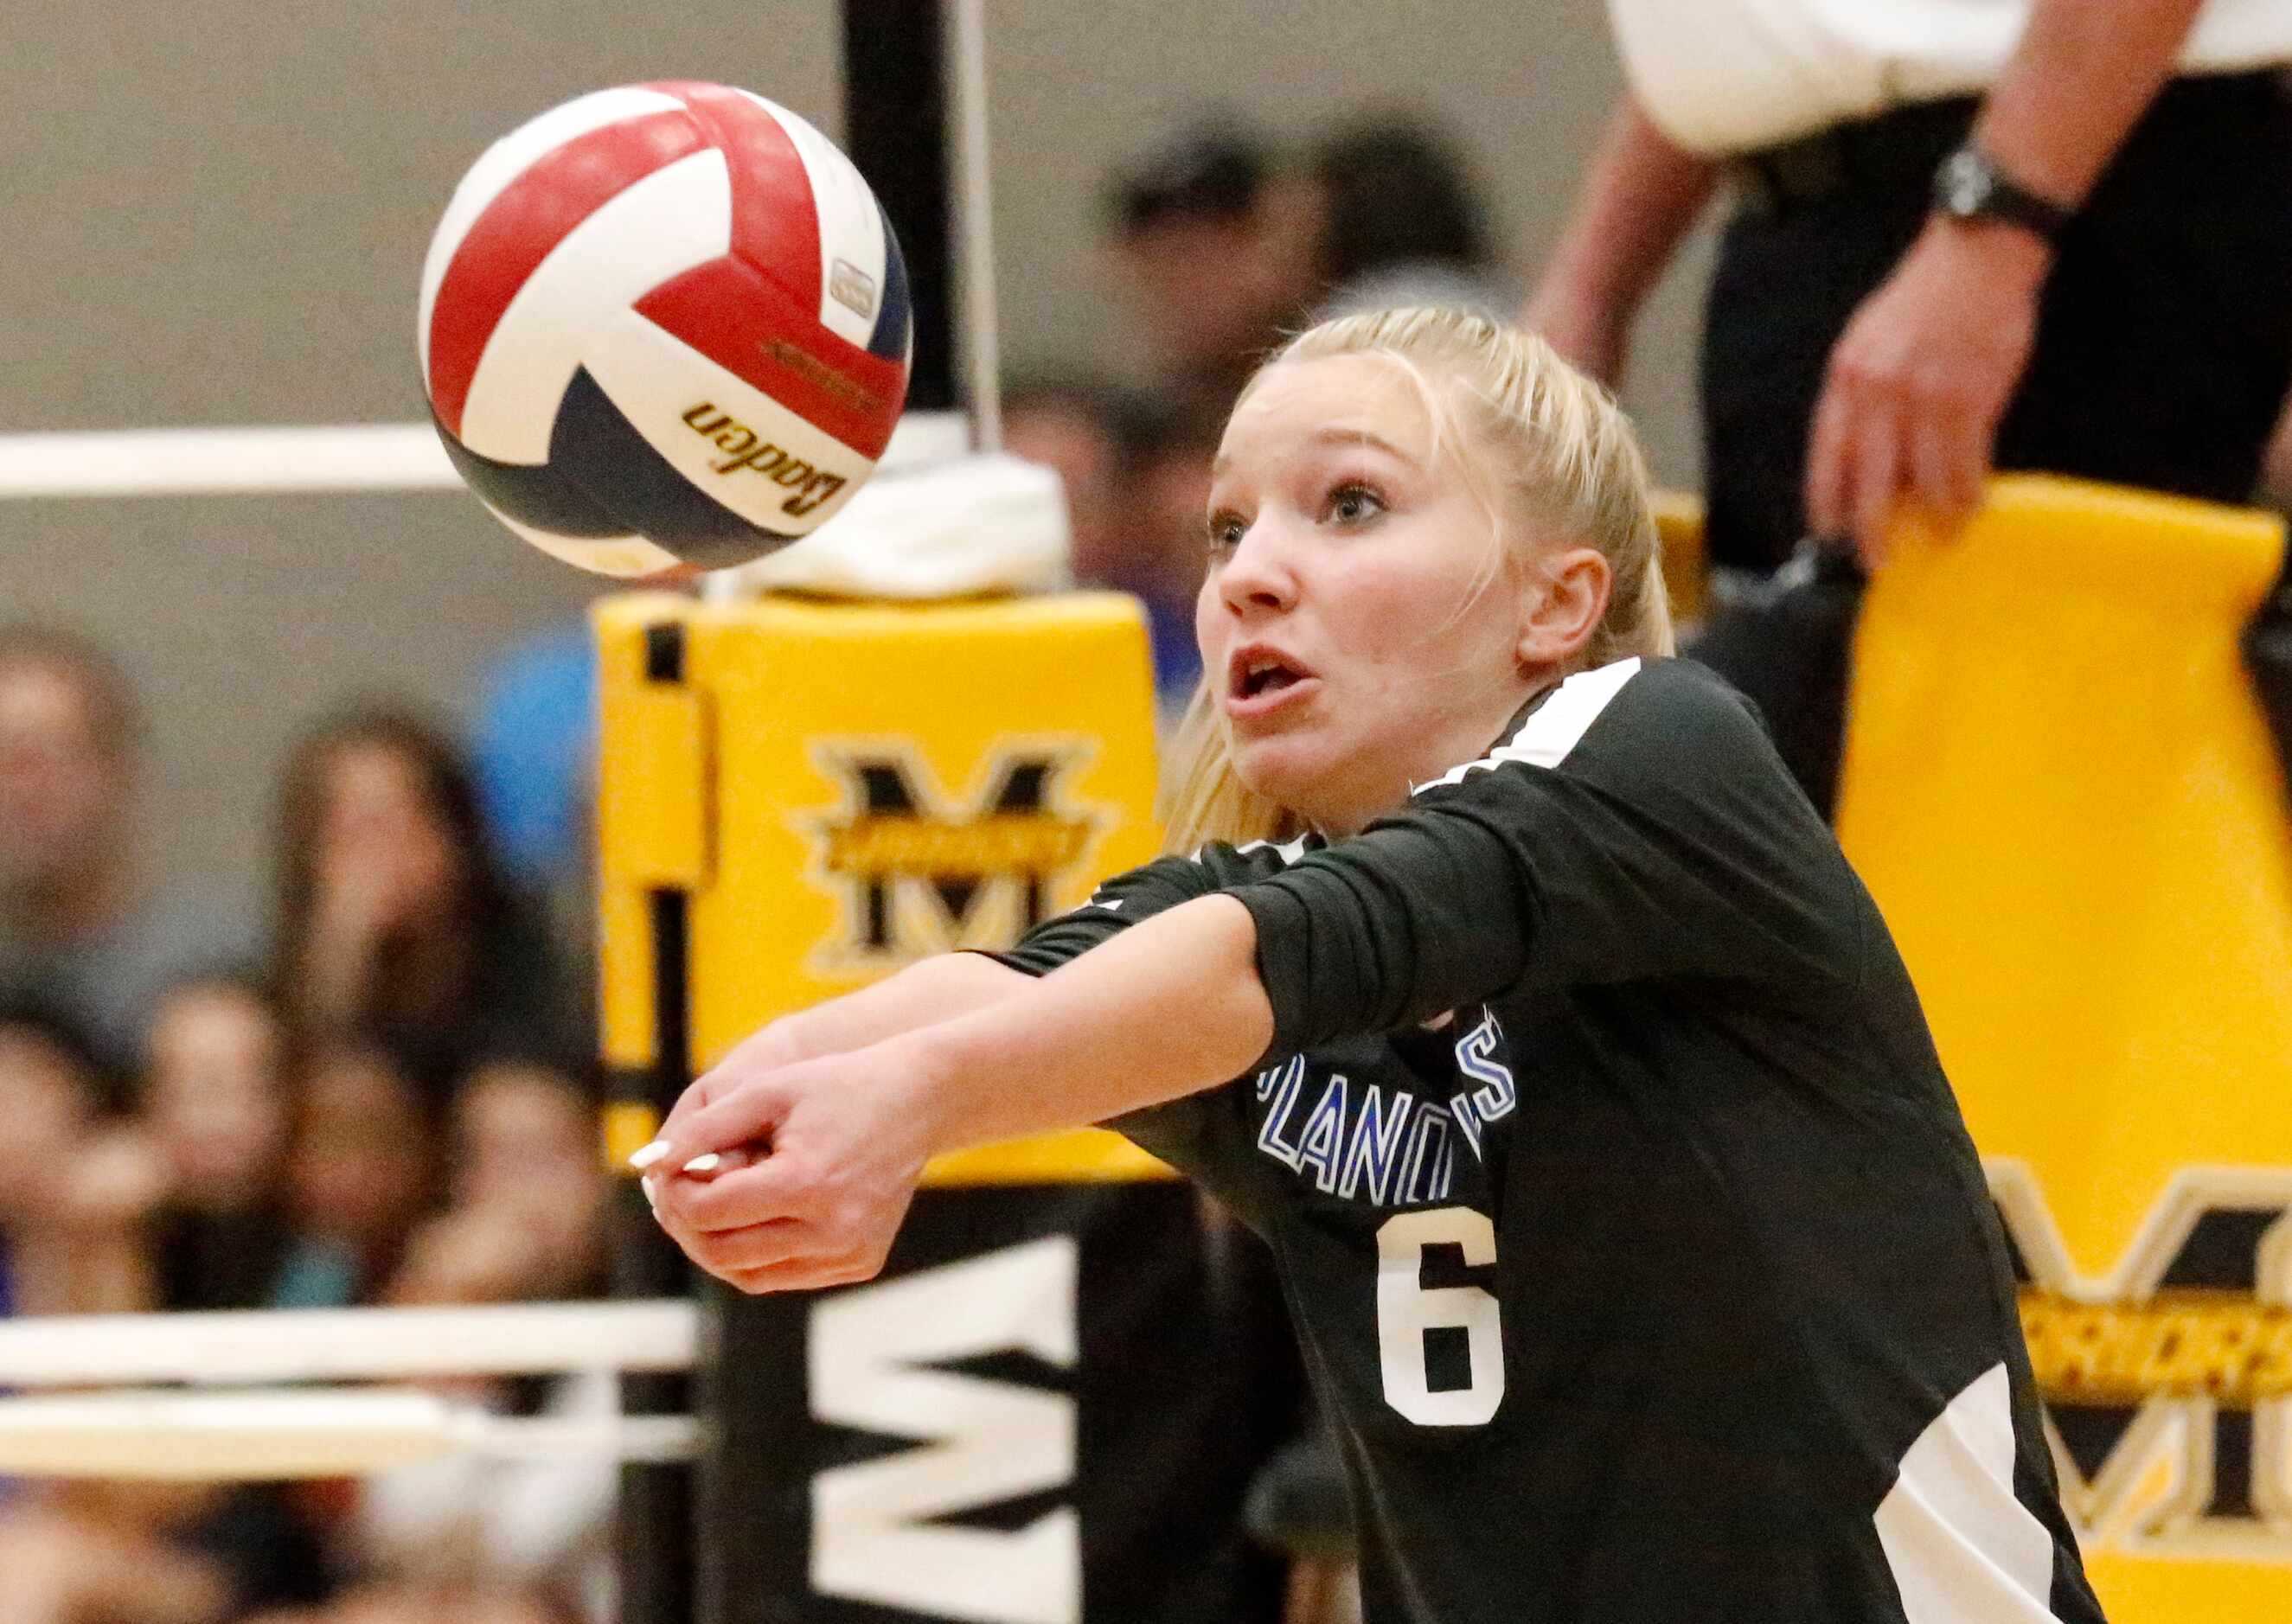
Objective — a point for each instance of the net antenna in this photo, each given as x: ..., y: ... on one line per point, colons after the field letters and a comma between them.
x: 975, y: 214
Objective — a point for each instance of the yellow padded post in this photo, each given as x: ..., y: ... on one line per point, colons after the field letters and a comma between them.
x: 2059, y: 787
x: 838, y: 790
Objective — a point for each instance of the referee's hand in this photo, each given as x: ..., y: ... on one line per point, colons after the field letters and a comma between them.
x: 792, y: 1177
x: 1919, y: 381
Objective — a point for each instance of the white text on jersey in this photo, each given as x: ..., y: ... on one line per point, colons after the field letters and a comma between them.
x: 1357, y: 1141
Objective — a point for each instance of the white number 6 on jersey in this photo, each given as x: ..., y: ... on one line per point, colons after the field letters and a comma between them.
x: 1406, y: 1310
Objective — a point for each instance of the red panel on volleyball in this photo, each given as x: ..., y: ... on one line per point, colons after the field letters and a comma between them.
x: 518, y: 231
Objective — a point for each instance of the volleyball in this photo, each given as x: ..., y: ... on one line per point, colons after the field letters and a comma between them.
x: 664, y: 329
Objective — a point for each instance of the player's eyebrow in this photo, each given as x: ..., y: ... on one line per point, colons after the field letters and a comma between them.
x: 1361, y: 437
x: 1335, y: 437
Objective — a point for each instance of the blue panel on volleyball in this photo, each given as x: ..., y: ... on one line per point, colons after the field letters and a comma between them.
x: 535, y: 495
x: 596, y: 457
x: 598, y: 448
x: 893, y: 331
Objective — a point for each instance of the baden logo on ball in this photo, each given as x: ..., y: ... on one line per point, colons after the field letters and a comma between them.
x: 750, y: 450
x: 645, y: 294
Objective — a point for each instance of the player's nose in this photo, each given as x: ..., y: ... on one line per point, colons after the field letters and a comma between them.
x: 1260, y: 574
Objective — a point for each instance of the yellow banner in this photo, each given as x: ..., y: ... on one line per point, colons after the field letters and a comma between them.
x: 839, y: 790
x: 2060, y: 790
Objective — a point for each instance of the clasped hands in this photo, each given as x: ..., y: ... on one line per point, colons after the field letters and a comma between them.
x: 780, y: 1170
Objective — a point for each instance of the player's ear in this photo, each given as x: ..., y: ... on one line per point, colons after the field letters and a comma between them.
x: 1562, y: 601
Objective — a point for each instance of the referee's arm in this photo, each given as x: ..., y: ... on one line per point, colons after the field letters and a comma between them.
x: 1916, y: 385
x: 1642, y: 197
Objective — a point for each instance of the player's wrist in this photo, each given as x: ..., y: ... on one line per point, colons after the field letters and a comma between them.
x: 926, y: 1071
x: 794, y: 1039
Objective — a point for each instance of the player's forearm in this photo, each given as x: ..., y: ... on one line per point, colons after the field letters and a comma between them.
x: 1642, y: 195
x: 2079, y: 78
x: 1168, y: 1008
x: 923, y: 994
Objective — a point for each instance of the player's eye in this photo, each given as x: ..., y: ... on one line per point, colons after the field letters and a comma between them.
x: 1353, y: 503
x: 1226, y: 528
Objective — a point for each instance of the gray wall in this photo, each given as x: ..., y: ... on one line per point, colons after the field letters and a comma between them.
x: 1076, y: 88
x: 216, y: 213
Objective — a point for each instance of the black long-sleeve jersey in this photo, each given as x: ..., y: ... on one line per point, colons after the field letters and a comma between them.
x: 1637, y: 1247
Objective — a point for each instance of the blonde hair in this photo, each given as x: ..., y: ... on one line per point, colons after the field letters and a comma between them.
x: 1539, y: 434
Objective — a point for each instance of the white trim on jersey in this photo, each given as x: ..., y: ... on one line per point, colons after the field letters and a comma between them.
x: 1962, y: 1548
x: 510, y: 156
x: 1543, y: 739
x: 851, y: 230
x: 1556, y: 726
x: 1288, y: 851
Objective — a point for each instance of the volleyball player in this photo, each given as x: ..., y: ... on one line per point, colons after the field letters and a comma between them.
x: 1515, y: 993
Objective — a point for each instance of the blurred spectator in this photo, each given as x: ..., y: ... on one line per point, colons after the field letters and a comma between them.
x: 394, y: 922
x: 1401, y: 221
x: 267, y: 1540
x: 478, y: 1526
x: 364, y: 1171
x: 526, y: 1195
x: 216, y: 1105
x: 2276, y: 469
x: 2026, y: 252
x: 1223, y: 248
x: 77, y: 1193
x: 532, y: 753
x: 1136, y: 476
x: 1073, y: 425
x: 74, y: 1187
x: 1167, y: 461
x: 525, y: 1221
x: 1218, y: 248
x: 78, y: 928
x: 97, y: 1553
x: 2268, y: 639
x: 425, y: 1604
x: 218, y: 1110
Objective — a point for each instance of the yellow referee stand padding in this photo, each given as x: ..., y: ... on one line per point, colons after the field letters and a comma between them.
x: 2058, y: 786
x: 1064, y: 1371
x: 834, y: 790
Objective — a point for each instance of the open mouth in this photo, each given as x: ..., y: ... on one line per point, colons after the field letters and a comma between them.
x: 1259, y: 673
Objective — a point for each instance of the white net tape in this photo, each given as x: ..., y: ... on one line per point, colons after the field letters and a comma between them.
x: 267, y: 1435
x: 305, y: 457
x: 321, y: 1432
x: 345, y: 1344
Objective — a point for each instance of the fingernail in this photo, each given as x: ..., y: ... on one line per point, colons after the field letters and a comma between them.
x: 645, y: 1184
x: 709, y: 1163
x: 652, y: 1153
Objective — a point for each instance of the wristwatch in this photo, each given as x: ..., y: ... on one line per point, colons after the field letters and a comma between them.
x: 1969, y: 186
